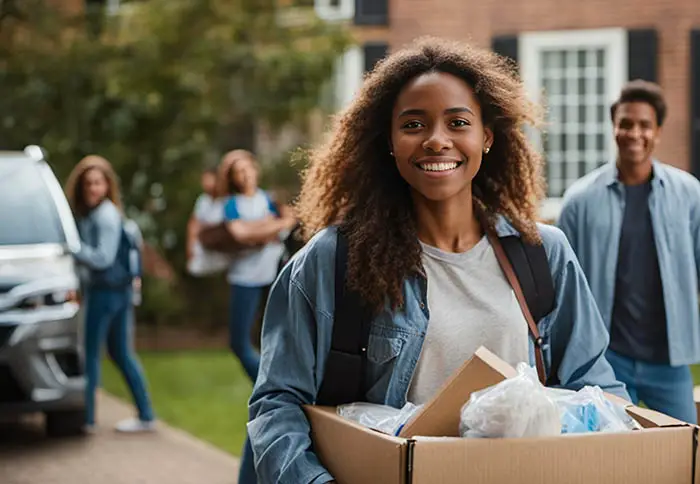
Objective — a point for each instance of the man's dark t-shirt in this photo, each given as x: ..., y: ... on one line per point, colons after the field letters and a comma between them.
x: 638, y: 328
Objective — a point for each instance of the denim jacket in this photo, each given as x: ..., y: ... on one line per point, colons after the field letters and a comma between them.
x: 592, y: 221
x: 100, y: 232
x: 297, y: 336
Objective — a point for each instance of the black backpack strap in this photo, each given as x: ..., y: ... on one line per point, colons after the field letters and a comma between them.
x: 531, y: 267
x: 343, y: 380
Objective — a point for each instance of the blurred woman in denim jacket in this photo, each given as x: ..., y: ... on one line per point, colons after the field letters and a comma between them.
x: 93, y: 193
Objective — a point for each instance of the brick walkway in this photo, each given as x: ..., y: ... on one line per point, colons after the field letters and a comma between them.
x: 168, y: 456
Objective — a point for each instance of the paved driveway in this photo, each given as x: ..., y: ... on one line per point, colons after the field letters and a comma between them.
x: 168, y: 456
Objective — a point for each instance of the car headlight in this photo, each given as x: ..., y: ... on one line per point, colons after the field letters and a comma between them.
x: 54, y: 298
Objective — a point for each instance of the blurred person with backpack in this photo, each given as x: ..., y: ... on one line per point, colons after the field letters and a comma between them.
x: 256, y: 222
x: 110, y: 259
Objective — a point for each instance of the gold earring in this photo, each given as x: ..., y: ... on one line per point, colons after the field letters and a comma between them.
x: 486, y: 150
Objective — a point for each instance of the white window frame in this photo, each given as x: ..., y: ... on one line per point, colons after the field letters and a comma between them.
x: 344, y: 11
x: 349, y: 74
x: 614, y: 41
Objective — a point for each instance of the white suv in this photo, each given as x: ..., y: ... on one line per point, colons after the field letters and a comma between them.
x: 41, y: 367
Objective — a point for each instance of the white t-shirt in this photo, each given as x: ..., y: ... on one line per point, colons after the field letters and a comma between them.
x: 207, y: 211
x: 471, y: 304
x: 257, y: 266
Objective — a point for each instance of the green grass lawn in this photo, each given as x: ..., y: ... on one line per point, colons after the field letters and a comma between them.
x: 695, y: 369
x: 204, y: 393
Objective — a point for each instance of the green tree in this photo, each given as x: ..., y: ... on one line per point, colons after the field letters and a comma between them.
x: 158, y: 89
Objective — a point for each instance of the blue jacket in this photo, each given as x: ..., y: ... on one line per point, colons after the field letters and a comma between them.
x: 592, y: 220
x: 100, y: 233
x: 297, y: 337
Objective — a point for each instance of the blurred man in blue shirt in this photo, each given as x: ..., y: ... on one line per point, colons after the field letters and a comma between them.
x: 635, y: 227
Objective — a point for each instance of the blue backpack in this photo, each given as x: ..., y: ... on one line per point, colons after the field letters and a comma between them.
x: 126, y: 266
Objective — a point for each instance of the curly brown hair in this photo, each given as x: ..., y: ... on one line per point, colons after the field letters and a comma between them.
x: 74, y: 185
x: 352, y: 179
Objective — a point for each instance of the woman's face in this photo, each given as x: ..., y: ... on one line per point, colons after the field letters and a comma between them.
x: 244, y: 175
x: 95, y: 187
x: 437, y: 135
x: 208, y: 183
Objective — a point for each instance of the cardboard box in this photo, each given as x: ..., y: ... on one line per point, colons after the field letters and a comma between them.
x: 429, y: 450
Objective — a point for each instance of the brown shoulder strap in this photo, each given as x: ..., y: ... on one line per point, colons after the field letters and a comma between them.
x: 507, y: 268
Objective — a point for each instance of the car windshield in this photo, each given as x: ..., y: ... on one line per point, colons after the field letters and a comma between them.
x: 28, y: 212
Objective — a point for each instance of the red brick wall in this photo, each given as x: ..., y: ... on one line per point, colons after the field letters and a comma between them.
x: 70, y: 5
x: 478, y: 21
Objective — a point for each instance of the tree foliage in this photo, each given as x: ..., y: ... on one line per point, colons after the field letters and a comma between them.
x: 159, y: 89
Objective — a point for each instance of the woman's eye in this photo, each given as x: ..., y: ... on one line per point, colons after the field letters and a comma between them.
x: 459, y: 123
x: 413, y: 125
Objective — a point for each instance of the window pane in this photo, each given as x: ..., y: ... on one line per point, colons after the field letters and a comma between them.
x: 582, y: 165
x: 575, y: 84
x: 582, y: 113
x: 600, y: 58
x: 581, y: 59
x: 561, y: 58
x: 600, y: 142
x: 601, y: 114
x: 582, y: 85
x: 548, y: 59
x: 29, y: 214
x: 600, y: 86
x: 550, y: 87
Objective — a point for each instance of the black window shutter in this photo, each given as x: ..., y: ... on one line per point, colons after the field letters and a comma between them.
x: 374, y: 52
x: 371, y: 12
x: 695, y: 102
x: 642, y: 54
x: 506, y: 45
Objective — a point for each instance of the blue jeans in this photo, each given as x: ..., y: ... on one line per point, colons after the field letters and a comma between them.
x: 664, y: 388
x: 246, y: 474
x: 244, y: 304
x: 109, y: 317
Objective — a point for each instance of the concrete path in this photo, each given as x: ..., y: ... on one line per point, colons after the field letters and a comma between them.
x: 168, y: 456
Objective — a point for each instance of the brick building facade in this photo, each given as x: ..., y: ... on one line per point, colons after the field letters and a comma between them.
x: 579, y: 53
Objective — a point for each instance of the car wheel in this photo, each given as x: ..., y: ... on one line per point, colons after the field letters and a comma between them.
x: 65, y: 423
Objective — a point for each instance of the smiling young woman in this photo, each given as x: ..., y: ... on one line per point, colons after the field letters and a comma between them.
x: 427, y: 163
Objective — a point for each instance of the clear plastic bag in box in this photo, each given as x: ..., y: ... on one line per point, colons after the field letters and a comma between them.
x: 384, y: 418
x: 516, y: 407
x: 522, y: 407
x: 589, y: 411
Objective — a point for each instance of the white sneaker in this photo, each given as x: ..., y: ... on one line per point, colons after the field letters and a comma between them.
x: 134, y: 425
